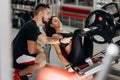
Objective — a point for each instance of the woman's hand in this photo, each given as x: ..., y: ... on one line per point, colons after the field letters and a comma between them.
x: 69, y: 68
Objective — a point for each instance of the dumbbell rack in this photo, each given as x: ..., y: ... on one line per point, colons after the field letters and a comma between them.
x: 24, y: 5
x: 22, y: 11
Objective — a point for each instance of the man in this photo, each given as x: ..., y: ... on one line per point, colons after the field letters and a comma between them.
x: 25, y: 43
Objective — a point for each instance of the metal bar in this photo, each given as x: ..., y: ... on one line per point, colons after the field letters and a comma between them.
x: 93, y: 71
x: 76, y: 2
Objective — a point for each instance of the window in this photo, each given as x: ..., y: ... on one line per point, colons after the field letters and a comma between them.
x: 88, y: 3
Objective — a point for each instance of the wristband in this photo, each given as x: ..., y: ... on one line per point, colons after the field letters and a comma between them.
x: 67, y: 66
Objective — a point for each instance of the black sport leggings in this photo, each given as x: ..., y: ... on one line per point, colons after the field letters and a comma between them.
x: 80, y: 49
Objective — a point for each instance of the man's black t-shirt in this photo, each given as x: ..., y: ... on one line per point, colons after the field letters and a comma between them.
x: 29, y: 31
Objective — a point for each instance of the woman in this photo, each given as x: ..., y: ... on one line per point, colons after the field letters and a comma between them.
x: 76, y: 51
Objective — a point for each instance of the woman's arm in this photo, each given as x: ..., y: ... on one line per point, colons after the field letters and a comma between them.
x: 62, y: 58
x: 59, y: 54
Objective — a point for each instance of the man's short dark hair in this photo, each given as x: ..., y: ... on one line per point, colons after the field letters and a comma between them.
x: 40, y: 7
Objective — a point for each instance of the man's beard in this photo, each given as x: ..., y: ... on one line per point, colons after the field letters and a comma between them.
x: 44, y: 22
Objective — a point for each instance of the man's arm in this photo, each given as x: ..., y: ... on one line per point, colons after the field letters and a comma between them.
x: 53, y: 40
x: 33, y: 47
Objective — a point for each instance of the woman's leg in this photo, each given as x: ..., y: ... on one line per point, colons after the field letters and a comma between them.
x: 88, y: 46
x: 80, y: 49
x: 76, y: 56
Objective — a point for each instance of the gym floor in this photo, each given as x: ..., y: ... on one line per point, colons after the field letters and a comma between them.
x: 56, y: 62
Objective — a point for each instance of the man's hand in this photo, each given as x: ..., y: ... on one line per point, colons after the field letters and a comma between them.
x: 66, y: 40
x: 38, y: 46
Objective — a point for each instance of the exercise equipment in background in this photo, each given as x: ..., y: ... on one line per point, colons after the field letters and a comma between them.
x: 104, y: 25
x: 113, y: 9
